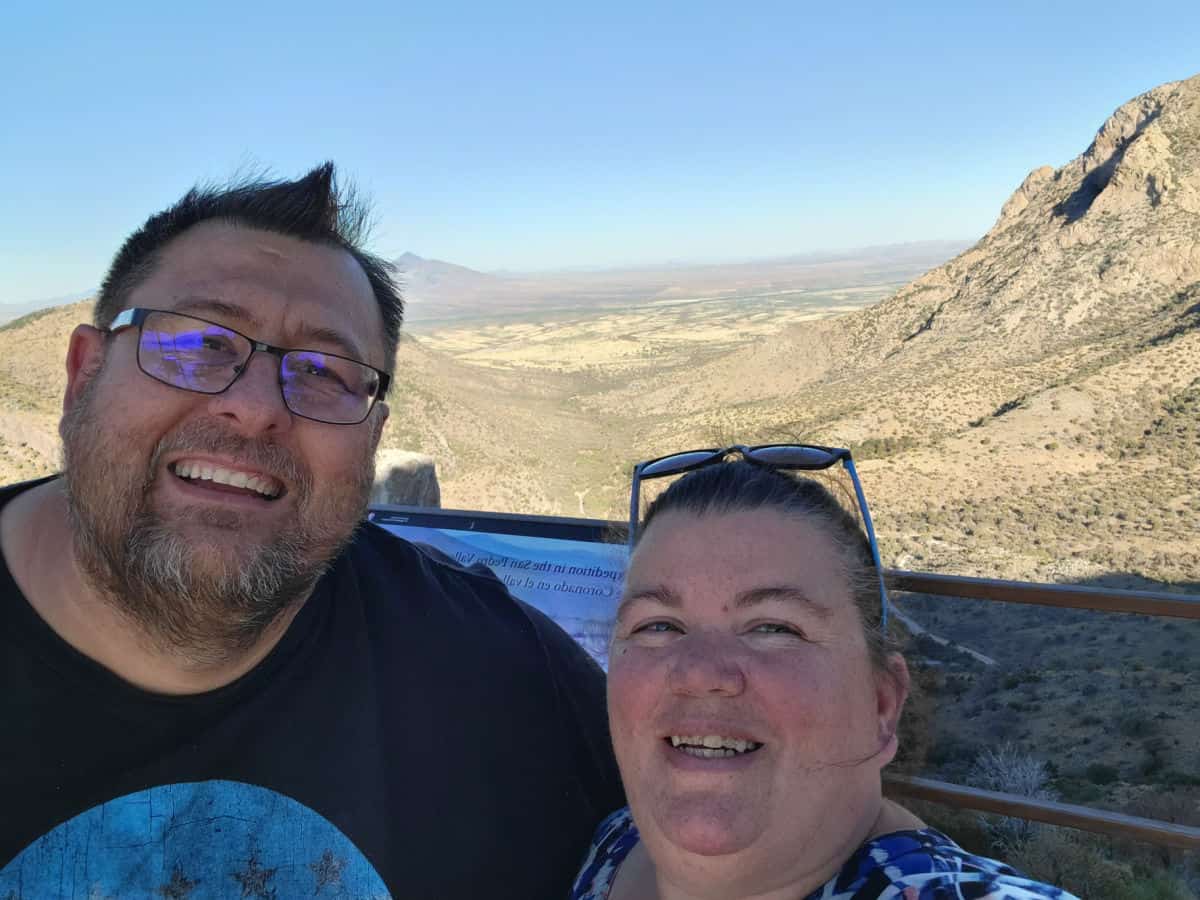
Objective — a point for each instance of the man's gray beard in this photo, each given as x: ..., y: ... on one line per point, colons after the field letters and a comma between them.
x: 204, y: 604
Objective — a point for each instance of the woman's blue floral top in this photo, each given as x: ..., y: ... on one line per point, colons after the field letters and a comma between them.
x: 905, y: 865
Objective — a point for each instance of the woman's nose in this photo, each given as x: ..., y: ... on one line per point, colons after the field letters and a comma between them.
x: 707, y: 665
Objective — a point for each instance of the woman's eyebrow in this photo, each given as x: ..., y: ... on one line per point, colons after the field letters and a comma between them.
x: 780, y: 593
x: 660, y: 595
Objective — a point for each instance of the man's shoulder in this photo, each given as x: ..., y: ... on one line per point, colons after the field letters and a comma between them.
x: 397, y: 577
x: 9, y: 491
x: 377, y: 555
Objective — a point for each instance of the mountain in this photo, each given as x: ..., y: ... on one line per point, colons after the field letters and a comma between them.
x: 11, y: 311
x: 438, y: 292
x: 1033, y: 402
x: 431, y: 287
x: 1107, y: 244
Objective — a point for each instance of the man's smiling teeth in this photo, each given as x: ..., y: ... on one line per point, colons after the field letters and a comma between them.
x: 199, y: 471
x: 712, y: 746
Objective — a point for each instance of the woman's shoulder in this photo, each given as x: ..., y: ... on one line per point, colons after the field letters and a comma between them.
x: 614, y: 838
x: 923, y: 865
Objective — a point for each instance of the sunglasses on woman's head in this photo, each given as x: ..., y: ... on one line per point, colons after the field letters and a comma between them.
x: 801, y: 457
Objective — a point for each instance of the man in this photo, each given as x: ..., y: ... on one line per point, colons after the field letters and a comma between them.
x: 215, y: 683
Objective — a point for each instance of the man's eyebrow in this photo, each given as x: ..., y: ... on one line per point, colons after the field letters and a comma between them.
x: 320, y: 334
x: 246, y: 319
x: 212, y: 306
x: 780, y: 593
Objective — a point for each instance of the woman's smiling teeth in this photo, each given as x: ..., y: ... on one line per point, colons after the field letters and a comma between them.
x: 201, y: 471
x: 712, y: 746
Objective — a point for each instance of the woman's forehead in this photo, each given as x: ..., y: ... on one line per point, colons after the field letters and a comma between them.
x: 738, y: 546
x: 767, y: 524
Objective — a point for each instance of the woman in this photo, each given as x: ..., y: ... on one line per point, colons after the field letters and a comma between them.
x: 753, y: 703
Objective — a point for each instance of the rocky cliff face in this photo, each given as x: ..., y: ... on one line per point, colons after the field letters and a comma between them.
x: 1107, y: 245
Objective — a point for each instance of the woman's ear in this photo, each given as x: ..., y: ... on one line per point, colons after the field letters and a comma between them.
x: 891, y: 690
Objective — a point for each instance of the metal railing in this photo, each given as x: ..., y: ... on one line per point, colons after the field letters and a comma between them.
x: 1068, y: 596
x: 1071, y: 815
x: 1150, y: 603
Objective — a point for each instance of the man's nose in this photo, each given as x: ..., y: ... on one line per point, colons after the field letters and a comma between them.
x: 707, y: 665
x: 254, y: 402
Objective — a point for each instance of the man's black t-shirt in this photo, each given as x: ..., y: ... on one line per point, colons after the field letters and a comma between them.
x: 417, y: 732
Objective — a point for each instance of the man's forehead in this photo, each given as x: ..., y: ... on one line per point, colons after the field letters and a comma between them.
x: 218, y: 247
x: 314, y: 286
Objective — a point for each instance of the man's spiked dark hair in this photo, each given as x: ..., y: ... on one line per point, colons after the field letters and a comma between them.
x: 312, y: 208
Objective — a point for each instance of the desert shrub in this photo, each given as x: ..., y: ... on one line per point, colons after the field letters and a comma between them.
x: 1008, y: 769
x: 1075, y: 789
x: 1158, y: 886
x: 1099, y: 773
x: 952, y: 749
x: 1179, y: 806
x: 1074, y: 861
x: 877, y: 448
x: 1009, y: 406
x: 1155, y: 759
x: 1137, y: 725
x: 1175, y: 778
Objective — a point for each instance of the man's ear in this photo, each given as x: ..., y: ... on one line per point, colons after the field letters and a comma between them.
x: 891, y: 690
x: 380, y: 415
x: 85, y: 357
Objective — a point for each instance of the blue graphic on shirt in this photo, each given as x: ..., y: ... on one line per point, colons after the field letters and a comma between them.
x: 210, y: 839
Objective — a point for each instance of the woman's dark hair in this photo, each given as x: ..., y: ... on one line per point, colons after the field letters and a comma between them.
x: 743, y: 486
x: 312, y: 208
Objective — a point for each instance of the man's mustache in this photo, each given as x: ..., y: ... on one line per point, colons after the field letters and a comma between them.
x: 207, y: 436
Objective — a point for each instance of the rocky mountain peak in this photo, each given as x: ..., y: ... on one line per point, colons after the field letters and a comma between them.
x: 1107, y: 243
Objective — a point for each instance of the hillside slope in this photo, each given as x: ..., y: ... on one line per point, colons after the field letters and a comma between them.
x: 1049, y: 372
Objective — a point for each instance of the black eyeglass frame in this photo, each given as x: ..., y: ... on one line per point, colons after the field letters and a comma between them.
x: 135, y: 317
x: 761, y: 455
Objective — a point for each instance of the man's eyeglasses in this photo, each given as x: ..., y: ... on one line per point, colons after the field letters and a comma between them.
x: 808, y: 457
x: 197, y: 355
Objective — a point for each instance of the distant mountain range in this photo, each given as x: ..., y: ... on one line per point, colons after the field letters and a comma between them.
x: 437, y: 291
x: 10, y: 311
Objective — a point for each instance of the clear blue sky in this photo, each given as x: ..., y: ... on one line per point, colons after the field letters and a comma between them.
x: 527, y: 136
